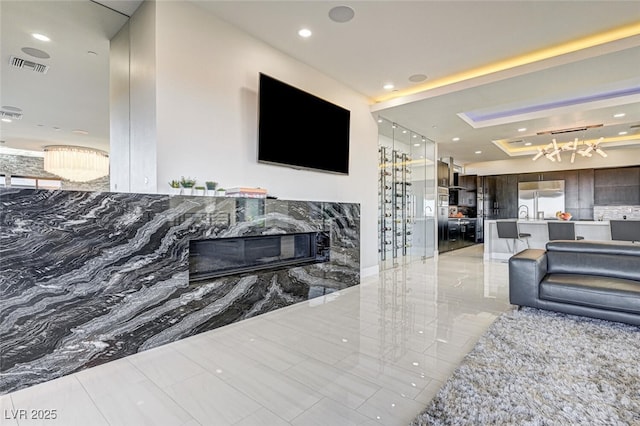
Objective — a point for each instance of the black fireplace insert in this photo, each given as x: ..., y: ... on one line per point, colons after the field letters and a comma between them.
x: 228, y: 256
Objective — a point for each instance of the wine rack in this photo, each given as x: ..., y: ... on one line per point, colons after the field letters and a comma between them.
x: 396, y: 203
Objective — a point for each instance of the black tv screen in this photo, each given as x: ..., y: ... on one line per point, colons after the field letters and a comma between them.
x: 300, y: 130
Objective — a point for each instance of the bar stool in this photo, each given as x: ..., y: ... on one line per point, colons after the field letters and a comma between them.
x: 508, y: 229
x: 625, y: 230
x: 562, y: 231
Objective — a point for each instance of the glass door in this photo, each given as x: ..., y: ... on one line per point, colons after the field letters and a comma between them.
x: 406, y: 191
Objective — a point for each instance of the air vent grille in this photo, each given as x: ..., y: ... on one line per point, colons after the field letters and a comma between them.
x: 11, y: 115
x: 14, y: 61
x: 570, y: 130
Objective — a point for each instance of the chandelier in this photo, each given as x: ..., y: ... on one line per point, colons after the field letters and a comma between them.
x: 76, y: 163
x: 553, y: 150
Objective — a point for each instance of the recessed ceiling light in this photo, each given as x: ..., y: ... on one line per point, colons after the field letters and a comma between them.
x: 40, y: 37
x: 527, y: 144
x: 91, y: 53
x: 388, y: 86
x: 6, y: 120
x: 622, y: 133
x: 478, y: 152
x: 379, y: 120
x: 619, y: 115
x: 341, y: 14
x: 404, y: 131
x: 455, y: 139
x: 416, y: 144
x: 304, y: 33
x: 80, y: 132
x: 522, y: 129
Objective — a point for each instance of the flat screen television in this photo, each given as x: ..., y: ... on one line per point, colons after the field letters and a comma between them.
x: 300, y: 130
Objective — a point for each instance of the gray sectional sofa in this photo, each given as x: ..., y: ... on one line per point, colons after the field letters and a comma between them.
x: 590, y: 278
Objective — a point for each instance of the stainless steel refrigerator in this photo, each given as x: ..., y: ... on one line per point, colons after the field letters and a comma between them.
x: 541, y: 199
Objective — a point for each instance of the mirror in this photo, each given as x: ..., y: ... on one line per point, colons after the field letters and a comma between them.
x: 55, y: 91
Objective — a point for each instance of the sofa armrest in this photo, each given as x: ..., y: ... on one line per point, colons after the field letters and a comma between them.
x: 526, y: 271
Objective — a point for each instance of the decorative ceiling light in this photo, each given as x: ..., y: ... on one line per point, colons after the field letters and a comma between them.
x: 549, y: 152
x: 553, y: 150
x: 593, y: 146
x: 76, y: 163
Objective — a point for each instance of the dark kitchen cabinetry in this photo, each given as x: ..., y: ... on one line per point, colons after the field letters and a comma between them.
x: 620, y: 186
x: 571, y: 192
x: 497, y: 195
x: 462, y: 233
x: 506, y: 197
x: 466, y: 195
x: 585, y: 194
x: 443, y: 174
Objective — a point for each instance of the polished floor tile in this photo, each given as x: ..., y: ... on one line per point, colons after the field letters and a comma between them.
x: 374, y: 354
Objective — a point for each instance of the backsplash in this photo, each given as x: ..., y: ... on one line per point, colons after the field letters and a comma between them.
x: 616, y: 212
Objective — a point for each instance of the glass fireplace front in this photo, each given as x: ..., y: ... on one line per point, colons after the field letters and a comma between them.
x: 227, y: 256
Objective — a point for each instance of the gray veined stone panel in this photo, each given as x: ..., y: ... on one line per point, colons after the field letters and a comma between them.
x: 90, y: 277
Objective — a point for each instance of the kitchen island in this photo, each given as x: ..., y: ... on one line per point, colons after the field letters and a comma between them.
x: 497, y: 248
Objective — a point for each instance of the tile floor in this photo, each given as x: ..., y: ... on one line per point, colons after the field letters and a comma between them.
x: 374, y: 354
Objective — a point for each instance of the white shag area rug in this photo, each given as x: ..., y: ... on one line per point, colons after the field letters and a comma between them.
x: 535, y: 367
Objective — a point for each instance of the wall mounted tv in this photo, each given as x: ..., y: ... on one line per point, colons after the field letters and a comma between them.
x: 299, y: 130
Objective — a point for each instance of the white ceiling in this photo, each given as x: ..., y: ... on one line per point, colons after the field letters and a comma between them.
x: 387, y: 41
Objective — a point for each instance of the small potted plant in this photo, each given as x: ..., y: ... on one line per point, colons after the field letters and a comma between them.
x: 220, y: 192
x: 188, y: 184
x: 175, y: 187
x: 198, y: 190
x: 211, y: 187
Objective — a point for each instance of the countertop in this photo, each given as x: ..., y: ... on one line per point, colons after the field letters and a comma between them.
x: 545, y: 221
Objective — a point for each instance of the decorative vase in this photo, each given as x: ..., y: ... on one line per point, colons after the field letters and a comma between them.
x: 220, y: 193
x: 175, y: 191
x: 198, y: 191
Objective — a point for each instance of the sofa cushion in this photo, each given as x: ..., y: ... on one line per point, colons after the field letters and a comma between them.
x: 607, y: 259
x: 587, y: 246
x: 594, y: 291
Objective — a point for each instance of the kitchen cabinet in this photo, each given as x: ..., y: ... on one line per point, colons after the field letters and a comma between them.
x: 506, y: 198
x: 467, y: 197
x: 462, y: 233
x: 443, y: 174
x: 585, y: 194
x: 620, y: 186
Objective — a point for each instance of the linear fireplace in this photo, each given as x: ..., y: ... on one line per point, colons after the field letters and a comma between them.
x: 227, y: 256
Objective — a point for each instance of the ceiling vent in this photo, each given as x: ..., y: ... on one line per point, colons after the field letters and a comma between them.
x: 11, y: 115
x: 14, y: 61
x: 570, y: 130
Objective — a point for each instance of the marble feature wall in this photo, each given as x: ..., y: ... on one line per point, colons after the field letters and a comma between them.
x: 616, y: 212
x: 89, y: 277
